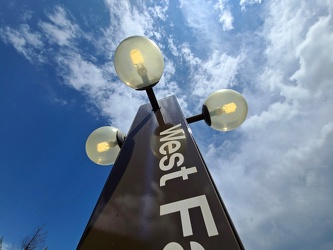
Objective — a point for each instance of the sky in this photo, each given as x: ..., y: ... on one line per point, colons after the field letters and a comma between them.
x: 58, y: 84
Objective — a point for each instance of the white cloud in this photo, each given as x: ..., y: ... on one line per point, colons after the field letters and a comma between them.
x: 8, y: 246
x: 189, y: 56
x: 27, y: 15
x: 61, y: 30
x: 160, y: 10
x: 127, y: 21
x: 226, y: 17
x: 32, y: 38
x: 277, y: 181
x: 95, y: 82
x: 14, y: 37
x: 244, y: 3
x: 121, y: 105
x: 167, y: 86
x: 315, y: 57
x: 80, y: 74
x: 208, y: 75
x: 172, y: 47
x: 217, y: 72
x: 201, y: 16
x: 25, y: 41
x: 98, y: 81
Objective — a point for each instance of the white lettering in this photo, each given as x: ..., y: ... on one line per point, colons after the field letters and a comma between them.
x: 196, y: 246
x: 167, y: 166
x: 183, y: 172
x: 183, y: 207
x: 170, y: 133
x: 171, y: 144
x: 175, y: 246
x: 170, y: 147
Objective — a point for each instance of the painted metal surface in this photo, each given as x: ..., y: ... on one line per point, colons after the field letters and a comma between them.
x: 159, y: 194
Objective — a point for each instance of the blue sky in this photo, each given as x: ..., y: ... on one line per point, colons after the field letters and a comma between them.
x: 58, y: 84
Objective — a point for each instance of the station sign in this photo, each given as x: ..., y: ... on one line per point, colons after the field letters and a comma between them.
x: 159, y: 194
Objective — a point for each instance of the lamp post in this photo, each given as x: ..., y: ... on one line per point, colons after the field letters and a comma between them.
x: 159, y: 194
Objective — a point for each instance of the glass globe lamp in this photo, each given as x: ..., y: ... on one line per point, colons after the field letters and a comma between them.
x: 225, y: 110
x: 102, y: 146
x: 139, y: 62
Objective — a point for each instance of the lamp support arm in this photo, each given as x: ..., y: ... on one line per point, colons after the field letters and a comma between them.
x: 152, y: 99
x: 195, y: 118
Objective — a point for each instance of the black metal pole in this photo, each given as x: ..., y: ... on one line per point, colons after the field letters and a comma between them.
x: 152, y: 99
x: 195, y: 118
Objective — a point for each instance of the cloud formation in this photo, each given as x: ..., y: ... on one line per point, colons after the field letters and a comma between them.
x: 244, y: 3
x: 25, y: 41
x: 59, y: 29
x: 283, y: 167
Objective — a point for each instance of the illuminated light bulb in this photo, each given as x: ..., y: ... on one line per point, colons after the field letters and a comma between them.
x: 103, y: 146
x: 226, y: 109
x: 136, y: 57
x: 138, y: 61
